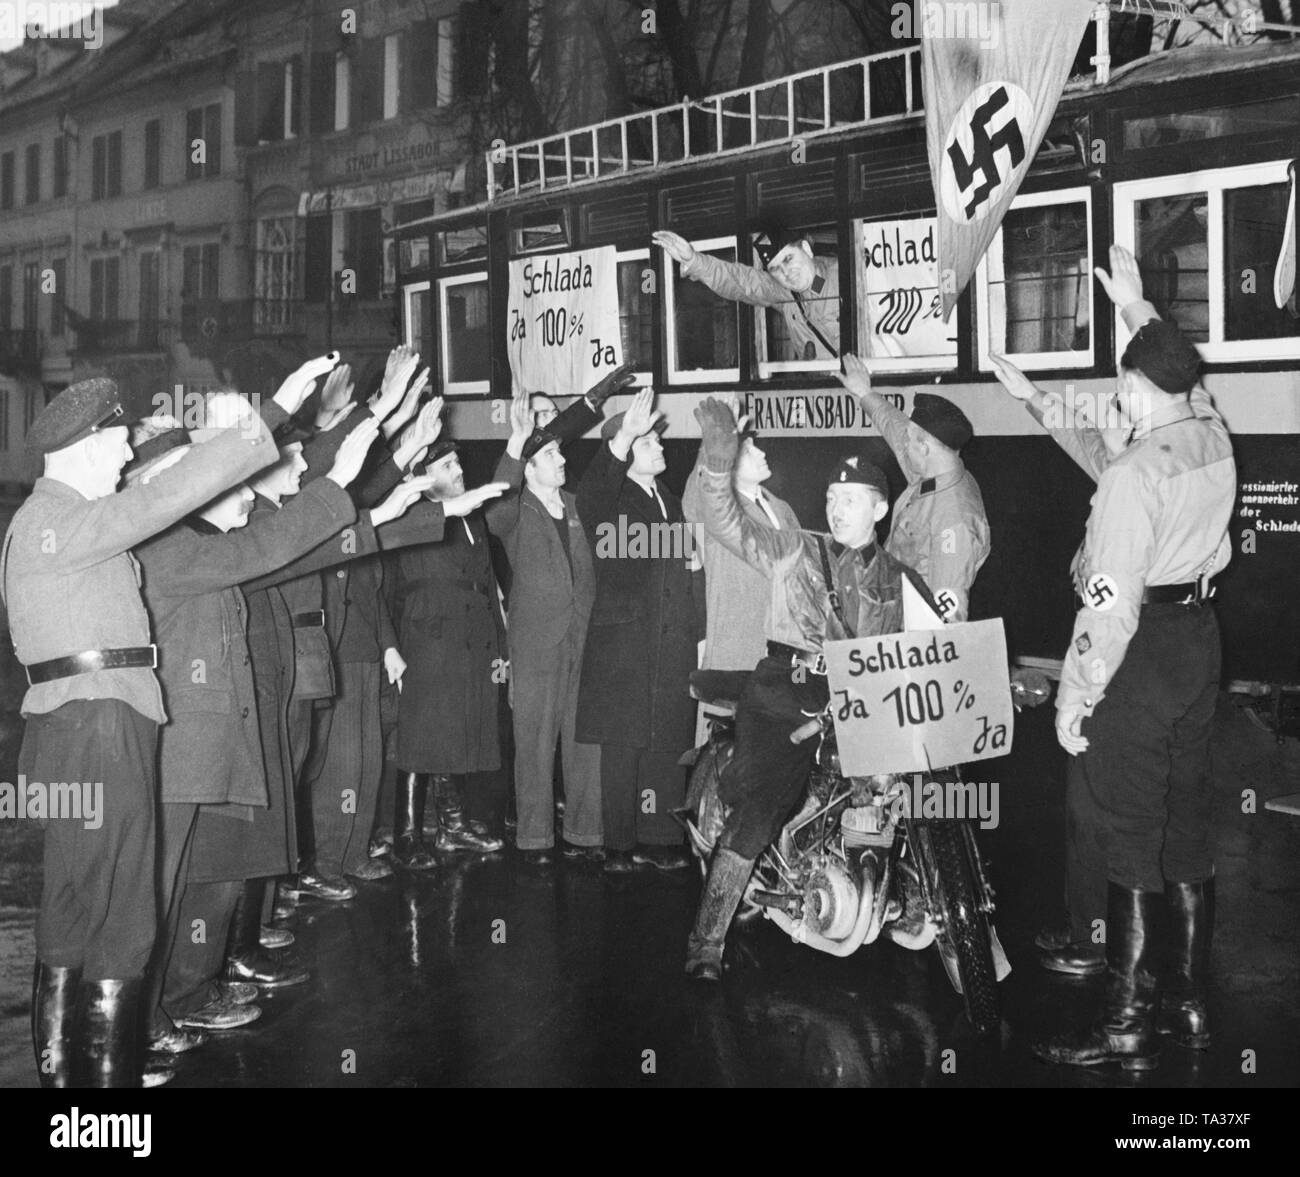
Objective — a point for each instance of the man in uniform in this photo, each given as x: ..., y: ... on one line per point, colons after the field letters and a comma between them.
x: 939, y: 526
x: 1140, y: 681
x: 802, y: 287
x: 94, y: 706
x: 823, y: 588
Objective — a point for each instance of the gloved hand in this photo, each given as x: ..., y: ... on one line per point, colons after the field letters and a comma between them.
x: 609, y: 384
x: 720, y: 437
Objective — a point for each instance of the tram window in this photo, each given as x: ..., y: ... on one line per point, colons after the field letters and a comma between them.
x: 802, y: 332
x: 463, y: 326
x: 1034, y: 288
x: 703, y: 327
x: 635, y: 316
x: 1208, y: 246
x: 900, y: 324
x: 467, y: 243
x: 1275, y: 116
x: 415, y: 317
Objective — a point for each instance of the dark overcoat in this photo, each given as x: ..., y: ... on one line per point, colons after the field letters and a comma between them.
x: 451, y: 635
x: 641, y: 643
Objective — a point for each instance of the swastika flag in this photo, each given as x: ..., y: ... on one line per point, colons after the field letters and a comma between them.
x: 992, y: 82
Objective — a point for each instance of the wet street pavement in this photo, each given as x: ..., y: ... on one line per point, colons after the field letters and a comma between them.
x: 491, y: 974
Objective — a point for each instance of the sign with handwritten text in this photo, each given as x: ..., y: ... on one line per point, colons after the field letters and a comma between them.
x: 922, y: 699
x: 562, y: 322
x: 900, y: 284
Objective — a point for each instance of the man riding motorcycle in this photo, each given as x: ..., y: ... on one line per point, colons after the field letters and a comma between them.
x: 824, y: 587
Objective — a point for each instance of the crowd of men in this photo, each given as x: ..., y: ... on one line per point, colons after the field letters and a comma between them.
x: 272, y: 603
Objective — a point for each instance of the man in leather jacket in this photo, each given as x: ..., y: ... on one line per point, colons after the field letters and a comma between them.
x: 834, y: 586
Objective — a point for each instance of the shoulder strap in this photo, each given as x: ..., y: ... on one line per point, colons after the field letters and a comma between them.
x: 830, y: 583
x: 803, y: 311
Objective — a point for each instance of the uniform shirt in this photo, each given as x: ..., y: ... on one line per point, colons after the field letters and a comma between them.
x: 71, y: 583
x: 815, y: 310
x: 867, y: 579
x: 939, y: 526
x: 1160, y: 516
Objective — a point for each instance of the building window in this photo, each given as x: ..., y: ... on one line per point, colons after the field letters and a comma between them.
x: 6, y: 297
x: 367, y: 82
x: 363, y: 250
x: 201, y: 272
x: 635, y: 313
x: 1034, y: 287
x: 153, y: 153
x: 32, y: 179
x: 446, y: 72
x: 1208, y: 245
x: 104, y: 274
x: 33, y: 403
x: 31, y: 296
x: 150, y: 302
x: 203, y: 141
x: 4, y: 419
x: 278, y: 102
x: 392, y: 75
x: 431, y: 60
x: 60, y: 267
x: 463, y: 328
x: 60, y: 166
x: 703, y: 328
x: 106, y: 166
x: 342, y: 91
x: 273, y: 306
x: 7, y: 180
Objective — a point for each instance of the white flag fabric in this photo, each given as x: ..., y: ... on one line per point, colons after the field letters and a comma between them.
x: 992, y: 83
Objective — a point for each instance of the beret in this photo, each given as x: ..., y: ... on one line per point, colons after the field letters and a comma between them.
x: 439, y: 450
x: 942, y: 420
x: 861, y: 470
x: 1164, y: 355
x: 538, y: 440
x: 147, y: 453
x: 77, y: 412
x: 615, y: 422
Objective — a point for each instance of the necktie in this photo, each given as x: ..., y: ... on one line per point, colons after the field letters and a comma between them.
x: 761, y: 500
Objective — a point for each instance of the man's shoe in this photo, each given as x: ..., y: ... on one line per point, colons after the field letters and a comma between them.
x: 1051, y: 939
x: 238, y: 992
x: 723, y: 891
x: 176, y: 1041
x: 449, y: 841
x: 221, y: 1014
x: 1183, y: 1016
x: 1125, y: 1033
x: 1074, y: 960
x: 618, y: 862
x: 537, y: 858
x: 332, y: 889
x: 157, y: 1071
x: 371, y: 870
x: 582, y: 853
x: 380, y: 845
x: 271, y: 937
x: 661, y: 857
x: 285, y: 908
x: 261, y: 969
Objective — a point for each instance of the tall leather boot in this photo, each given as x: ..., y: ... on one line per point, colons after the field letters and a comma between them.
x: 1126, y: 1032
x: 246, y: 959
x: 109, y: 1034
x: 454, y: 831
x: 54, y: 1022
x: 1190, y: 911
x: 408, y: 823
x: 723, y: 890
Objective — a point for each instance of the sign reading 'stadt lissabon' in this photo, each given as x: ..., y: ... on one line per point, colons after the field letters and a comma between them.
x: 921, y: 699
x: 562, y: 324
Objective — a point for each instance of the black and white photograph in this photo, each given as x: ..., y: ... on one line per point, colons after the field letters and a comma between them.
x: 592, y: 544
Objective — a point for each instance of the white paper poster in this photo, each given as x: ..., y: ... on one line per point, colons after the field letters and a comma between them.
x: 562, y: 320
x: 901, y: 285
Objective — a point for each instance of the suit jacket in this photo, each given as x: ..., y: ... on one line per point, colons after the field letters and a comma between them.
x: 549, y: 597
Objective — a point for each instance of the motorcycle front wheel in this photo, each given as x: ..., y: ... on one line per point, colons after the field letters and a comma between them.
x: 965, y: 926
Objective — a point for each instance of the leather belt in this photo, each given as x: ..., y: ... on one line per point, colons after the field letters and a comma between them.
x: 91, y: 660
x: 311, y: 619
x: 805, y: 658
x: 1194, y: 592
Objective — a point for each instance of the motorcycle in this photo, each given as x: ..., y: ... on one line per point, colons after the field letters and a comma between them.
x: 854, y: 863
